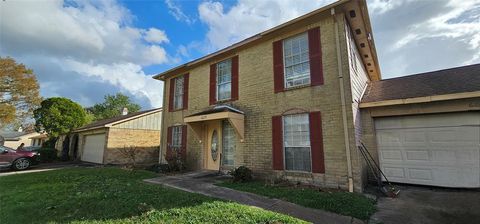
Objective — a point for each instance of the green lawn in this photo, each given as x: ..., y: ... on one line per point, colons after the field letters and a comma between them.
x: 111, y: 195
x: 349, y: 204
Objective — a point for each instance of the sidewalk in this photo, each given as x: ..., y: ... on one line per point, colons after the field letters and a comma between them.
x: 45, y: 167
x: 202, y: 182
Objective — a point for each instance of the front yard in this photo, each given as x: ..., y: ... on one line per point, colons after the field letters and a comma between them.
x: 111, y: 195
x: 344, y: 203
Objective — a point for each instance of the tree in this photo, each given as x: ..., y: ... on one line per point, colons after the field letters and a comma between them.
x: 112, y: 106
x: 19, y: 92
x: 58, y: 115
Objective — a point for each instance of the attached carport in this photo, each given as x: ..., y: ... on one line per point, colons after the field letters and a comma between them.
x: 425, y: 129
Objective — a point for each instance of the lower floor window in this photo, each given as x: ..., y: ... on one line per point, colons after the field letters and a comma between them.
x: 177, y: 136
x: 296, y: 142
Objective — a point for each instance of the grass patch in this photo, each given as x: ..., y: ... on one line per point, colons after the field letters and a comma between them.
x: 112, y: 195
x: 345, y: 203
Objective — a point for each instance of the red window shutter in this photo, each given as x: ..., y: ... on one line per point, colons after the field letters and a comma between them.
x: 316, y: 142
x: 235, y: 78
x: 278, y: 77
x: 315, y: 54
x: 168, y: 153
x: 170, y: 97
x: 184, y: 142
x: 185, y: 91
x: 277, y: 142
x: 213, y: 84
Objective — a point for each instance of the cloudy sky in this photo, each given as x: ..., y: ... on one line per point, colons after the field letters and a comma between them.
x: 84, y: 49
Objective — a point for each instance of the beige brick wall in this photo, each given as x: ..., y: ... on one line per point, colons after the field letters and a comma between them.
x: 259, y: 102
x: 147, y: 143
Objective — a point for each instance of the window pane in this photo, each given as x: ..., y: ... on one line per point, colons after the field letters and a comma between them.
x: 297, y: 158
x: 224, y: 79
x: 296, y: 57
x: 297, y: 142
x: 224, y: 91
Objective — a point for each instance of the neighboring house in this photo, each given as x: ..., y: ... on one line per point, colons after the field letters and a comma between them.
x: 13, y: 139
x: 103, y: 141
x: 283, y: 102
x: 425, y: 128
x: 39, y: 139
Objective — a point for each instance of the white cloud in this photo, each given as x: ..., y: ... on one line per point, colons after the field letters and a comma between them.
x: 126, y: 75
x: 94, y: 33
x: 427, y: 35
x: 248, y: 17
x: 156, y: 36
x: 176, y: 11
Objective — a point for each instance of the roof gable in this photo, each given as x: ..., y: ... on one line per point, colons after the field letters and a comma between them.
x: 111, y: 121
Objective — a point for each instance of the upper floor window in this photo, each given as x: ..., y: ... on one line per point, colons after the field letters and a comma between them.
x: 296, y: 137
x: 178, y: 93
x: 296, y: 61
x: 224, y: 80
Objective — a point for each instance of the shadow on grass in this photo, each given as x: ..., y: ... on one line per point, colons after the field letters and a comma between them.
x: 111, y: 195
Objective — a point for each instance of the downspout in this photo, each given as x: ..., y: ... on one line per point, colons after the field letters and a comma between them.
x: 342, y: 98
x: 160, y: 150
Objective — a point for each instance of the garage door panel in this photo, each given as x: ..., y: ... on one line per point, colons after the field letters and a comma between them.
x: 394, y: 173
x: 392, y: 155
x: 417, y: 155
x: 415, y: 137
x: 441, y: 150
x: 389, y: 138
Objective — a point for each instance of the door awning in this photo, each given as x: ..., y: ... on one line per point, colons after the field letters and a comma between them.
x: 234, y: 116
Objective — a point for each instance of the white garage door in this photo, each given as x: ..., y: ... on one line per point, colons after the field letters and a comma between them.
x: 93, y: 148
x: 439, y: 150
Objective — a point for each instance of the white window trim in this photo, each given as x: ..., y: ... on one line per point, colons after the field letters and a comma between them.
x: 217, y: 86
x: 284, y: 64
x: 283, y: 147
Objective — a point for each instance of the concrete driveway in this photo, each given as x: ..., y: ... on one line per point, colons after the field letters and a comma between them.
x: 424, y: 205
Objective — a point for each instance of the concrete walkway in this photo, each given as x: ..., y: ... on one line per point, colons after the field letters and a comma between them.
x: 202, y: 182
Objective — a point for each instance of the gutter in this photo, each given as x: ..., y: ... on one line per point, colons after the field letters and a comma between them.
x: 343, y: 102
x: 422, y: 99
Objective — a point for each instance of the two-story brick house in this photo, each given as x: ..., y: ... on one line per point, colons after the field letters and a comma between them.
x: 283, y: 102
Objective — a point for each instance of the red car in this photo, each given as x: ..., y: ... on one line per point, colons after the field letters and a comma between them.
x: 17, y: 159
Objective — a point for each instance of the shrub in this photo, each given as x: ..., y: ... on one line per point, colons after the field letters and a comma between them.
x: 175, y: 161
x: 50, y: 143
x: 47, y: 154
x: 130, y: 154
x: 242, y: 174
x: 159, y: 168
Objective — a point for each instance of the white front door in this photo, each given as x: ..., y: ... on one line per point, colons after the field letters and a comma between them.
x: 439, y: 149
x: 93, y: 148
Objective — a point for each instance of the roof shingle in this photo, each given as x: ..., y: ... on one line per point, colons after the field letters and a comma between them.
x: 441, y: 82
